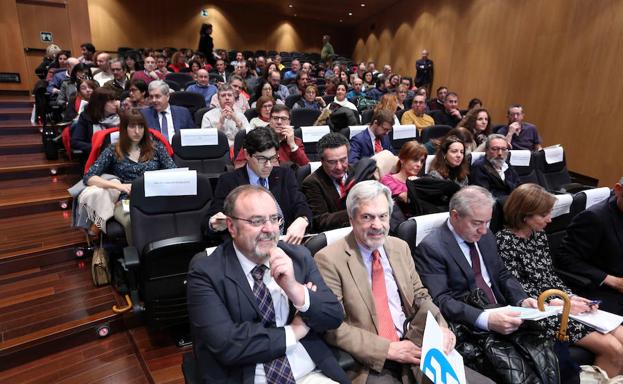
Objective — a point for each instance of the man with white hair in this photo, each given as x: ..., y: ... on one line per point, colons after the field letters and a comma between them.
x: 374, y: 276
x: 162, y: 116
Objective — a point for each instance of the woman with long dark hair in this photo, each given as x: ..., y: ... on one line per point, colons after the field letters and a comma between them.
x: 478, y: 121
x: 101, y: 113
x: 129, y: 158
x: 450, y: 162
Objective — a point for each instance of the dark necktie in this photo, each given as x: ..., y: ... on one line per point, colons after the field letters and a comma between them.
x: 377, y: 145
x: 264, y: 182
x: 277, y: 371
x: 381, y: 301
x: 164, y: 127
x: 480, y: 281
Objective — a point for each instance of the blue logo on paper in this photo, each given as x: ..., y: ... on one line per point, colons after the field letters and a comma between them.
x: 444, y: 366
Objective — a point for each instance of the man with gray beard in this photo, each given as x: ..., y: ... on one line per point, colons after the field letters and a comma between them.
x: 257, y: 306
x: 492, y: 172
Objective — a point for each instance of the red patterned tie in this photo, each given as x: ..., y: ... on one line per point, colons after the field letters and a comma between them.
x: 340, y: 183
x: 377, y: 145
x: 383, y: 315
x: 480, y: 281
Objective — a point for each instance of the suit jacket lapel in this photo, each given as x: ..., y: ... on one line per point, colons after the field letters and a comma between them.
x: 234, y: 272
x: 401, y: 276
x: 457, y: 254
x: 617, y: 219
x: 360, y: 276
x: 333, y: 198
x: 369, y: 141
x: 156, y: 119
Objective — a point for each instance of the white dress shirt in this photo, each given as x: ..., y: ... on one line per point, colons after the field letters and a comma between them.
x: 300, y: 361
x: 393, y: 296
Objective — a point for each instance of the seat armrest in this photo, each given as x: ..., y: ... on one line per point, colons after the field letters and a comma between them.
x: 344, y: 359
x: 184, y: 241
x: 572, y: 279
x: 130, y: 257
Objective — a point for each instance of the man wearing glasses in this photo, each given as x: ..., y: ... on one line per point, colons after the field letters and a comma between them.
x: 256, y: 305
x: 325, y: 187
x: 291, y: 148
x: 120, y: 81
x: 492, y: 171
x: 260, y: 150
x: 416, y: 115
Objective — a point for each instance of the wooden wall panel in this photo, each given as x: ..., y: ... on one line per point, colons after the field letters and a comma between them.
x: 559, y: 58
x: 158, y: 23
x: 32, y: 23
x: 12, y: 58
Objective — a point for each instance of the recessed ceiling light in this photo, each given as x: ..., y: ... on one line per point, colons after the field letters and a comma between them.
x: 363, y: 4
x: 290, y: 5
x: 350, y: 13
x: 295, y: 15
x: 341, y: 20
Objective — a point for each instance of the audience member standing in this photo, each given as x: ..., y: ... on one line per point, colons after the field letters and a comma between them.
x: 424, y: 72
x: 206, y: 43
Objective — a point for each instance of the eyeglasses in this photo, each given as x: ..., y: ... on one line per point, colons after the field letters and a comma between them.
x: 280, y: 118
x: 333, y: 163
x: 263, y: 160
x: 368, y: 218
x: 498, y: 149
x: 260, y: 221
x: 267, y: 106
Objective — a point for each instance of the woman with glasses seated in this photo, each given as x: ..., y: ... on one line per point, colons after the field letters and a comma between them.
x: 69, y: 87
x: 450, y: 162
x: 80, y: 100
x: 310, y: 100
x: 129, y: 158
x: 263, y: 107
x: 137, y: 96
x: 524, y: 247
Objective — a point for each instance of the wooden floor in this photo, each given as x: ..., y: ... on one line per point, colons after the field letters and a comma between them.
x: 50, y: 311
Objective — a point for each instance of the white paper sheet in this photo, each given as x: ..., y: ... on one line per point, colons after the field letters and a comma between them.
x: 602, y: 321
x: 314, y: 165
x: 429, y: 160
x: 355, y: 129
x: 337, y: 234
x: 476, y: 156
x: 562, y: 204
x: 407, y: 131
x: 520, y: 158
x: 314, y: 133
x: 594, y: 196
x: 435, y: 364
x: 179, y: 183
x: 210, y: 250
x: 554, y: 154
x: 530, y: 313
x: 426, y: 223
x: 197, y: 137
x: 114, y: 137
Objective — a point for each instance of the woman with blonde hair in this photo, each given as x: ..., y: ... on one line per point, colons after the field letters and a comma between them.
x: 524, y: 247
x: 388, y: 101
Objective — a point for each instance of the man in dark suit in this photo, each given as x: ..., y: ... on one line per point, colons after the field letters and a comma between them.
x: 450, y: 114
x: 260, y: 149
x: 161, y: 114
x: 492, y: 172
x: 446, y: 266
x: 257, y: 306
x: 325, y: 188
x: 461, y: 256
x: 374, y: 139
x: 424, y: 71
x: 593, y: 248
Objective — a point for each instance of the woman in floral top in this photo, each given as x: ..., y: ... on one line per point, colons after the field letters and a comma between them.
x: 134, y: 153
x: 524, y: 248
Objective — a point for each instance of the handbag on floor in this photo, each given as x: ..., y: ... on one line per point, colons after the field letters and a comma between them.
x: 100, y: 266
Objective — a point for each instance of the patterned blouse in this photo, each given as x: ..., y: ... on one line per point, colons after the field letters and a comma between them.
x: 127, y: 170
x: 530, y: 262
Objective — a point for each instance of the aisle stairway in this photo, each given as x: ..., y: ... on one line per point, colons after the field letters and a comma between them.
x: 47, y: 299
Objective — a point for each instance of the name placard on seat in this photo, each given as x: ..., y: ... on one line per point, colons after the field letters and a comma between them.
x: 197, y: 137
x: 554, y: 154
x: 337, y: 234
x: 355, y: 129
x: 170, y: 182
x: 562, y: 205
x: 314, y: 133
x: 429, y: 160
x: 406, y: 131
x: 520, y: 158
x: 427, y: 223
x: 476, y: 156
x: 597, y: 195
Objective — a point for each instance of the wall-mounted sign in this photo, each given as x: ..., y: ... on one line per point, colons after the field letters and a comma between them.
x: 204, y: 12
x: 9, y: 77
x: 46, y: 37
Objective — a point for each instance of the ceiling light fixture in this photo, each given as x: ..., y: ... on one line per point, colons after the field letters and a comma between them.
x: 290, y: 5
x: 363, y: 4
x: 350, y: 13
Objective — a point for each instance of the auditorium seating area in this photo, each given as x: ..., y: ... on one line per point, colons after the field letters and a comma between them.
x: 161, y: 227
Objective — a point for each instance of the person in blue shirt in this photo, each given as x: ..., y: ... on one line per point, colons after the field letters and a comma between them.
x: 203, y: 86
